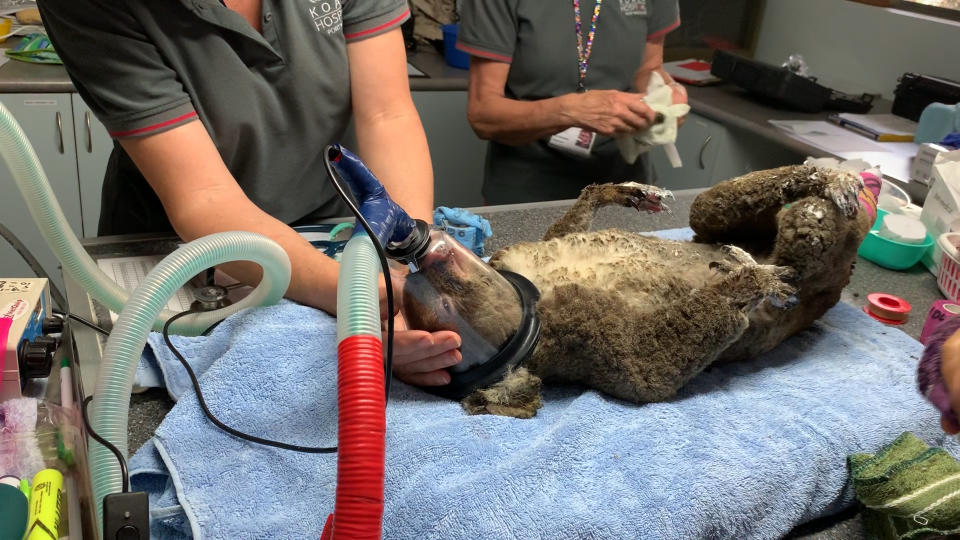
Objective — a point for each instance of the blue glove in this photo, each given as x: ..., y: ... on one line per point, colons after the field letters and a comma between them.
x: 469, y: 229
x: 952, y: 140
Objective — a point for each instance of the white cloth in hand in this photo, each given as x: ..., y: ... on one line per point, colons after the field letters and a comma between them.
x: 659, y: 98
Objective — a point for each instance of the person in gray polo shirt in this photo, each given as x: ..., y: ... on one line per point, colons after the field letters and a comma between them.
x: 221, y: 109
x: 552, y: 81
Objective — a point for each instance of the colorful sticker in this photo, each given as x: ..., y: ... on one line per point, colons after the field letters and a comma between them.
x: 14, y: 310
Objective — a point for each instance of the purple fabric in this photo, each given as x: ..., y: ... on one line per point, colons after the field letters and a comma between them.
x: 929, y: 375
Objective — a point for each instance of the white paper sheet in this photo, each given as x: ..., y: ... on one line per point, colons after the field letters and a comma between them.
x: 412, y: 71
x: 129, y: 273
x: 892, y: 165
x: 892, y: 158
x: 827, y: 136
x: 12, y: 6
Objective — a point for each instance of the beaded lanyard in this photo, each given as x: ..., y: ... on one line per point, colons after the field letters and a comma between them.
x: 583, y: 53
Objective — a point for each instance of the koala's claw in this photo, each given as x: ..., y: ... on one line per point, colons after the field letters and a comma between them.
x: 786, y: 273
x: 643, y: 197
x: 738, y: 255
x: 844, y: 191
x: 789, y: 303
x: 772, y: 282
x: 749, y: 284
x: 723, y: 267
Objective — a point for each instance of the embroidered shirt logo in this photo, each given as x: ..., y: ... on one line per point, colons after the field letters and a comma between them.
x: 326, y: 15
x: 633, y: 7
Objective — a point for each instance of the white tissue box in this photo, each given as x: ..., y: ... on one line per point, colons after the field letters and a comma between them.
x: 941, y: 209
x: 921, y: 170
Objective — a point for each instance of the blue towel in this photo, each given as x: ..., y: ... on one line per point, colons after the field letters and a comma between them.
x: 744, y: 451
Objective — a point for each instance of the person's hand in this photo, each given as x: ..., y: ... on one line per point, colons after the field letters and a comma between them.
x: 950, y: 369
x: 608, y: 112
x: 421, y: 358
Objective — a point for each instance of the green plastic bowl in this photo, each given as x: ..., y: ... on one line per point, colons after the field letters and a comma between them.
x: 890, y: 253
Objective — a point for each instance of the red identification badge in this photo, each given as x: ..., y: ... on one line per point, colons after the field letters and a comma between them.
x: 574, y: 141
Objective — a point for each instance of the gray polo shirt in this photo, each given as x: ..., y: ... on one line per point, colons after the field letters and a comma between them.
x: 270, y: 101
x: 538, y: 39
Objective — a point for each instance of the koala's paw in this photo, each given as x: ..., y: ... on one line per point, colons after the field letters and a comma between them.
x: 749, y: 285
x: 643, y: 197
x: 739, y: 255
x: 774, y: 284
x: 517, y: 395
x: 843, y: 188
x: 736, y: 258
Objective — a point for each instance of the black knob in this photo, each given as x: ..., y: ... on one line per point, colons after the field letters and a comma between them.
x: 36, y: 360
x: 51, y: 343
x: 53, y: 325
x: 128, y: 532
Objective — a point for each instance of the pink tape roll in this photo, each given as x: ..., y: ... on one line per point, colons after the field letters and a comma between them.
x: 940, y: 311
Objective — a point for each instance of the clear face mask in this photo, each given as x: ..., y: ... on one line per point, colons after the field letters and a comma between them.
x: 452, y: 289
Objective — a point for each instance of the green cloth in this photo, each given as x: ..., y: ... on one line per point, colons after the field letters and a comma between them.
x: 538, y: 39
x: 36, y: 49
x: 910, y: 491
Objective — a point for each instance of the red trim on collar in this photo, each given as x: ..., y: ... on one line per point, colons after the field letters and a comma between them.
x: 484, y: 54
x: 154, y: 127
x: 375, y: 29
x: 664, y: 31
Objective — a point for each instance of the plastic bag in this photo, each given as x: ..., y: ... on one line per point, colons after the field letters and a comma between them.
x: 798, y: 65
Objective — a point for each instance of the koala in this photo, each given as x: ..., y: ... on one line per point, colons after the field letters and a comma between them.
x: 635, y: 316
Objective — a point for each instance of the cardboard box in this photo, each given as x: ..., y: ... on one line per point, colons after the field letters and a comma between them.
x: 23, y: 305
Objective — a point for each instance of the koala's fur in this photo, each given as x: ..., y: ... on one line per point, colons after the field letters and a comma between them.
x: 637, y: 317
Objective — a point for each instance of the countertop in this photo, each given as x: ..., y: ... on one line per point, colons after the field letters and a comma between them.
x: 511, y: 224
x: 737, y: 109
x: 24, y: 77
x: 724, y: 103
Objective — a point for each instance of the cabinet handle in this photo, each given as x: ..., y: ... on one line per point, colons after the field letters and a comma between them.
x: 86, y: 120
x: 60, y: 131
x: 702, y: 149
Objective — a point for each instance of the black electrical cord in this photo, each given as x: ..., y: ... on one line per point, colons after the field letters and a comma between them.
x: 338, y: 184
x: 82, y: 321
x: 210, y: 328
x: 214, y: 419
x: 107, y: 444
x: 388, y: 365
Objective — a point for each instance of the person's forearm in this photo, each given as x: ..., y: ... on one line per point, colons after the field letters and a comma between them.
x: 516, y: 122
x: 652, y: 61
x: 313, y: 274
x: 394, y: 147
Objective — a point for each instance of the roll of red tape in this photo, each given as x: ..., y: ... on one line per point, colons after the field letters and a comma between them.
x: 887, y: 308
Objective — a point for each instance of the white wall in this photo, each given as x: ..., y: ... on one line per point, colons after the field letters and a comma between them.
x: 854, y: 47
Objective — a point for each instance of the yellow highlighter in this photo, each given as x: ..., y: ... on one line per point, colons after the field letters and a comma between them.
x: 46, y: 498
